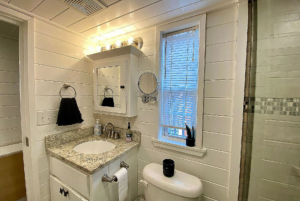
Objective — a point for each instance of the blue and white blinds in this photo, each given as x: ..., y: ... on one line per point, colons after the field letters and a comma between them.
x: 180, y: 55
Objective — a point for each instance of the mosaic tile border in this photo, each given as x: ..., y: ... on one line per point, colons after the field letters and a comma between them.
x: 276, y: 106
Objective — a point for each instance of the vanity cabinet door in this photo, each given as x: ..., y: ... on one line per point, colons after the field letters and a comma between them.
x: 70, y: 176
x: 55, y: 189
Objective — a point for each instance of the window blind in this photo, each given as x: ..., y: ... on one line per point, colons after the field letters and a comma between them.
x: 180, y: 54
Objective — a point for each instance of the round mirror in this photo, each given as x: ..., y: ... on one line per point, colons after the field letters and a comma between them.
x: 148, y: 83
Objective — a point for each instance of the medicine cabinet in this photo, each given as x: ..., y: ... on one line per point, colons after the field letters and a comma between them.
x: 115, y: 81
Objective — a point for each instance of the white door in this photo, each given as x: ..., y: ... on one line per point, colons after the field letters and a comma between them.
x: 58, y: 190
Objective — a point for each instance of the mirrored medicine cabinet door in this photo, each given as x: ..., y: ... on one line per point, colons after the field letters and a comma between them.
x: 109, y: 86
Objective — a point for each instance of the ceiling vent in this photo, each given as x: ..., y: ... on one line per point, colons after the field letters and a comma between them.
x: 86, y: 7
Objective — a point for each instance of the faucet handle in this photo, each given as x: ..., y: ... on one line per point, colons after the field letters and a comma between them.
x: 112, y: 134
x: 117, y: 135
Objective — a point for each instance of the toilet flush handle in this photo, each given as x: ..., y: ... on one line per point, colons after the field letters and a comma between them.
x: 144, y: 183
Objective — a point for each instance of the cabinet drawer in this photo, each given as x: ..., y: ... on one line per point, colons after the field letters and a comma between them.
x: 70, y: 176
x: 56, y: 185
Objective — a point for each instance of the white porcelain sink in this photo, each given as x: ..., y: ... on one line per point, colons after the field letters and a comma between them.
x: 94, y: 147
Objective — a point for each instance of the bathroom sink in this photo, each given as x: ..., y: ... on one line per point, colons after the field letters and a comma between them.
x: 94, y: 147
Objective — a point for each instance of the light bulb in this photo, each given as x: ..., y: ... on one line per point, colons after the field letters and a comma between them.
x: 98, y: 48
x: 118, y: 43
x: 130, y: 40
x: 107, y: 46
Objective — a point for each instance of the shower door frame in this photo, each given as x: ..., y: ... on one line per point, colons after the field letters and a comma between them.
x: 27, y: 96
x: 238, y: 99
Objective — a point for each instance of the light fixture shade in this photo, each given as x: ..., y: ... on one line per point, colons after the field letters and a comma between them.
x: 99, y: 48
x: 138, y: 42
x: 130, y: 40
x: 108, y: 46
x: 119, y: 43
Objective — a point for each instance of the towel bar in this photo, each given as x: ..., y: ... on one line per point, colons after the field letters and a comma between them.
x: 124, y: 165
x: 106, y: 89
x: 106, y: 178
x: 65, y: 86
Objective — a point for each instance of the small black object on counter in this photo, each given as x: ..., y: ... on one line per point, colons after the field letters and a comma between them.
x: 168, y: 167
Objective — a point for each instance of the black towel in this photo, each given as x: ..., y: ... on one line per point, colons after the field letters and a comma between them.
x: 108, y: 102
x: 68, y: 113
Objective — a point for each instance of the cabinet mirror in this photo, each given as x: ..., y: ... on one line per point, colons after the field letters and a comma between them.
x: 108, y: 79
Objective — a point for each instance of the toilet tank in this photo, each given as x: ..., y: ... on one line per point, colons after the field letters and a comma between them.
x: 180, y: 187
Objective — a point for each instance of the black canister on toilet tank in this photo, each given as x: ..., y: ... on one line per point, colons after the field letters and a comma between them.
x: 168, y: 167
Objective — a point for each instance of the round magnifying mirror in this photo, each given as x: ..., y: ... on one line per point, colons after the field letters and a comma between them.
x: 148, y: 83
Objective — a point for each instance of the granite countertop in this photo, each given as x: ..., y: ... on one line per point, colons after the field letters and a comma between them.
x: 61, y: 147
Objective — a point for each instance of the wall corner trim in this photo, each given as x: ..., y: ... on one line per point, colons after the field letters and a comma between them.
x: 238, y: 99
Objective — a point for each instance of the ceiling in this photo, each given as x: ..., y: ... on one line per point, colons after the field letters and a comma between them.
x: 9, y: 30
x: 119, y: 16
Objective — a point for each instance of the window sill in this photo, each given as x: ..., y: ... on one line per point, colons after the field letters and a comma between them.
x: 178, y: 148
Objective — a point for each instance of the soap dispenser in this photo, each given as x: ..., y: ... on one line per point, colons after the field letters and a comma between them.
x: 97, y: 128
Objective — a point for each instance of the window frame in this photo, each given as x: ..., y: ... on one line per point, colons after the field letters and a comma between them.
x: 166, y: 137
x: 199, y: 20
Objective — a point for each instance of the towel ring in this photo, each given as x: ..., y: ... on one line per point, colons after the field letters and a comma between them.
x: 65, y: 86
x: 105, y: 89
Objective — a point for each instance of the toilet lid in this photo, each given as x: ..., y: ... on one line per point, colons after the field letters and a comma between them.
x: 181, y: 183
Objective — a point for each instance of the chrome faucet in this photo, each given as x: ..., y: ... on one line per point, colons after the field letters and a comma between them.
x: 111, y: 132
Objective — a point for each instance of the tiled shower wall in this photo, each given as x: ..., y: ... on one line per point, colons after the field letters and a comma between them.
x: 273, y: 123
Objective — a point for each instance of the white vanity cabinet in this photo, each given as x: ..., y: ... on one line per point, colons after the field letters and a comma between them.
x: 115, y: 80
x: 57, y: 195
x: 78, y: 180
x: 82, y: 186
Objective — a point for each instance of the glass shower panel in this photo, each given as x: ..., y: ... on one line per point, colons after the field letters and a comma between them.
x: 271, y: 155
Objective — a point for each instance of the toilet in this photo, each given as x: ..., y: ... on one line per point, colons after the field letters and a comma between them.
x: 180, y: 187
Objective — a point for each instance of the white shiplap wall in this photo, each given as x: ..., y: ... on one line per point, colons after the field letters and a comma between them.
x: 59, y: 58
x: 214, y: 167
x: 10, y: 120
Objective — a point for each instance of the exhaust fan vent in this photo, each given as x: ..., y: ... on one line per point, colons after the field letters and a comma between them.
x: 86, y: 7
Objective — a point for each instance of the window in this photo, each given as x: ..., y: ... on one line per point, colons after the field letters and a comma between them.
x: 180, y: 46
x: 179, y: 82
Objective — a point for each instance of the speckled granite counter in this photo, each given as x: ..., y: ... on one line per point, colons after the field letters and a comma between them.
x: 61, y: 147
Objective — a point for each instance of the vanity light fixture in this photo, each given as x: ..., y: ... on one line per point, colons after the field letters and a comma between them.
x: 136, y: 42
